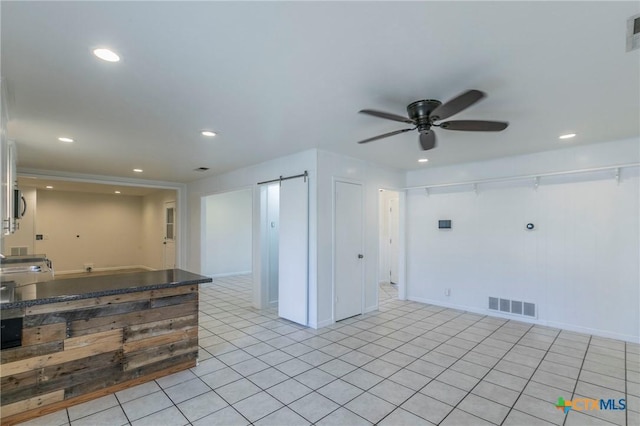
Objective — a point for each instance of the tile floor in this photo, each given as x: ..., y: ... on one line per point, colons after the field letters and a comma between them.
x: 407, y: 364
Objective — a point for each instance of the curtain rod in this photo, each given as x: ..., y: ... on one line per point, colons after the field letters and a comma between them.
x: 523, y: 177
x: 280, y: 179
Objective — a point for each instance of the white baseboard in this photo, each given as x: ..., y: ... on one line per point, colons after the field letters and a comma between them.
x: 320, y: 324
x: 554, y: 324
x: 370, y: 309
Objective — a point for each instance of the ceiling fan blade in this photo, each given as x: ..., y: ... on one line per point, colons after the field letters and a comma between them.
x: 457, y: 104
x: 428, y: 140
x: 387, y: 115
x: 386, y: 135
x: 474, y: 125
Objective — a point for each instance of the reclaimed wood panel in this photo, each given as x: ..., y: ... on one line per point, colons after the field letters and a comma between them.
x: 32, y: 403
x: 160, y: 340
x: 99, y: 343
x: 14, y: 381
x: 156, y: 328
x: 78, y: 350
x: 79, y: 399
x: 86, y: 314
x: 24, y: 352
x: 44, y: 334
x: 94, y: 325
x: 108, y: 300
x: 172, y: 300
x: 152, y: 355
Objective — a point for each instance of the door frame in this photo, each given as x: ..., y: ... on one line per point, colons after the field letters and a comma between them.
x: 182, y: 199
x: 334, y: 180
x: 390, y: 224
x: 402, y: 272
x: 175, y: 233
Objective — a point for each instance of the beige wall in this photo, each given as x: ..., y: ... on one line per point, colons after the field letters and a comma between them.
x: 80, y: 228
x: 153, y: 227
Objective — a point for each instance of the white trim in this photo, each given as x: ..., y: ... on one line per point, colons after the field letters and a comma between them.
x: 371, y: 308
x: 401, y: 246
x: 554, y: 324
x: 180, y: 188
x: 534, y: 177
x: 321, y: 324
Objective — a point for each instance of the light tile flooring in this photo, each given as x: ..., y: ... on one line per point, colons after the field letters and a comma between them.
x: 407, y: 364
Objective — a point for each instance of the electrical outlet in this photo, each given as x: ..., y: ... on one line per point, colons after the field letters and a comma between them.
x: 447, y: 292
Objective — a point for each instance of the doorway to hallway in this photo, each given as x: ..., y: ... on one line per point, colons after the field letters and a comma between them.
x: 389, y: 243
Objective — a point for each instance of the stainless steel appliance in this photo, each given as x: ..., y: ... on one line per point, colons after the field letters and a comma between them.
x: 28, y: 269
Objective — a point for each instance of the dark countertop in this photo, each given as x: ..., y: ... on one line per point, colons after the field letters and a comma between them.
x: 62, y: 290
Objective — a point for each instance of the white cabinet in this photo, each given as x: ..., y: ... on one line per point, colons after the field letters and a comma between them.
x: 8, y: 171
x: 9, y: 190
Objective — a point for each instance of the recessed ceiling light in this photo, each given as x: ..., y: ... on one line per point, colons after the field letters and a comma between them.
x: 208, y: 133
x: 106, y: 55
x: 567, y: 136
x: 63, y: 139
x: 49, y: 187
x: 137, y: 170
x: 423, y: 160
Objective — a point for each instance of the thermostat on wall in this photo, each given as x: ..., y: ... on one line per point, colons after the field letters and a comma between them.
x: 444, y: 224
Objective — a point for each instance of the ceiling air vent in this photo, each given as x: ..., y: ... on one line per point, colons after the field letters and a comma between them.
x: 201, y: 169
x: 633, y: 33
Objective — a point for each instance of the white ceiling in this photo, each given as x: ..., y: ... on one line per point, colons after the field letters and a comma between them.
x: 274, y: 78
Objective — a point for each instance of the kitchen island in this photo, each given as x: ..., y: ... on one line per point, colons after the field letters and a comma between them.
x: 83, y: 338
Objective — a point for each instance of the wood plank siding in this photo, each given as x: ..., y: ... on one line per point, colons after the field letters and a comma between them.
x: 74, y: 351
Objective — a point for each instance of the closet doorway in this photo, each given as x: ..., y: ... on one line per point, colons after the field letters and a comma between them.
x: 284, y: 246
x: 389, y: 243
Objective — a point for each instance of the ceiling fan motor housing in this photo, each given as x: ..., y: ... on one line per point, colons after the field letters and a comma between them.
x: 420, y: 110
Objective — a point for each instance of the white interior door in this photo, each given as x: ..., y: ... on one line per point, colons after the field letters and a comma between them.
x: 273, y: 225
x: 348, y: 250
x: 293, y: 256
x: 394, y: 239
x: 169, y: 235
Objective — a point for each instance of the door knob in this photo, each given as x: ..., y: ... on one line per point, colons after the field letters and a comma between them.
x: 360, y: 256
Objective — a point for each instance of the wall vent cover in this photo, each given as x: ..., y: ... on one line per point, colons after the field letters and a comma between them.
x: 19, y: 251
x: 633, y: 33
x: 515, y: 307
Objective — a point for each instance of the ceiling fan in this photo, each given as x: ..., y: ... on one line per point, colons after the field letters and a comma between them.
x: 424, y: 114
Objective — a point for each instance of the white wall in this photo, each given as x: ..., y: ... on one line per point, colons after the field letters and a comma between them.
x: 226, y: 243
x: 333, y: 166
x: 249, y: 177
x: 580, y: 264
x: 322, y: 167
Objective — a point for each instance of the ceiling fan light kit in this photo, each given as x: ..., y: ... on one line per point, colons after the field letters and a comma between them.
x: 423, y: 115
